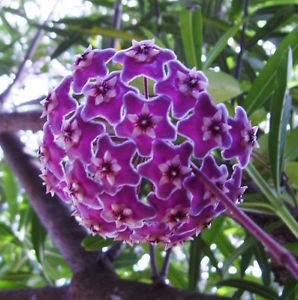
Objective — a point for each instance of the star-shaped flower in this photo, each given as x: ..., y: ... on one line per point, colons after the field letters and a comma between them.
x: 207, y: 126
x: 80, y: 187
x: 183, y: 86
x: 91, y: 218
x: 168, y: 167
x: 244, y: 138
x: 124, y: 208
x: 105, y: 98
x: 58, y: 104
x: 111, y: 165
x: 54, y: 185
x: 50, y: 153
x: 91, y: 64
x: 145, y: 121
x: 143, y: 58
x: 197, y: 223
x: 77, y: 135
x: 125, y: 236
x: 202, y: 197
x: 233, y: 189
x: 174, y: 211
x: 153, y: 233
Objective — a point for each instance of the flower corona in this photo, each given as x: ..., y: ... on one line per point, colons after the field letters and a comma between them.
x: 124, y: 160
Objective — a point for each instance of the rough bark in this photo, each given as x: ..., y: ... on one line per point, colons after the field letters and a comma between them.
x: 94, y: 285
x: 45, y: 293
x: 21, y: 121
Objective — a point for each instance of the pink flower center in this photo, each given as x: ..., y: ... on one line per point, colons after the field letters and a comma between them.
x: 145, y: 121
x: 173, y: 172
x: 177, y: 214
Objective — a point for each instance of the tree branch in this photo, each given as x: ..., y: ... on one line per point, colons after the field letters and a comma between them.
x: 62, y: 228
x: 114, y: 251
x: 118, y: 8
x: 93, y: 285
x: 21, y: 121
x: 45, y: 293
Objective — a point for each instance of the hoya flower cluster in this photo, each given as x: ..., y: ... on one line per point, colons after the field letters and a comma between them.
x: 124, y: 160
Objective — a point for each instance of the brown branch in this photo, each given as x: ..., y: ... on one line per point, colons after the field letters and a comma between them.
x: 45, y: 293
x: 21, y: 121
x: 62, y: 228
x: 94, y: 285
x: 114, y: 251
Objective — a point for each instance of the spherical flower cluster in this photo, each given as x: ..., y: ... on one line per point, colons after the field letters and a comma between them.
x: 125, y: 161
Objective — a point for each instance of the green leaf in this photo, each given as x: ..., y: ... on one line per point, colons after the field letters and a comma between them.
x: 251, y: 287
x: 280, y: 209
x: 247, y: 244
x: 177, y: 277
x: 262, y: 88
x: 186, y: 28
x: 94, y: 243
x: 10, y: 189
x: 245, y: 260
x: 280, y: 114
x: 126, y: 259
x: 38, y: 236
x: 197, y: 25
x: 222, y: 86
x: 293, y: 247
x: 220, y: 46
x: 291, y: 147
x: 7, y: 235
x: 278, y: 19
x: 262, y: 260
x: 291, y: 170
x: 194, y: 264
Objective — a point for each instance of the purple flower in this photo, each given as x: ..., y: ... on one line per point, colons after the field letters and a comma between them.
x: 152, y: 233
x: 54, y: 185
x: 145, y: 121
x: 125, y: 209
x: 80, y: 187
x: 91, y: 218
x: 132, y: 179
x: 207, y: 126
x: 111, y: 165
x: 90, y: 64
x: 58, y: 104
x: 51, y: 154
x: 198, y: 222
x: 202, y: 197
x: 125, y: 236
x: 244, y: 138
x: 143, y: 58
x: 104, y: 98
x: 183, y: 86
x: 168, y: 167
x: 233, y: 189
x: 76, y: 136
x: 174, y: 211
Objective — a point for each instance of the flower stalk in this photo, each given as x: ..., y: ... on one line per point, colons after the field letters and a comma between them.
x: 279, y: 253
